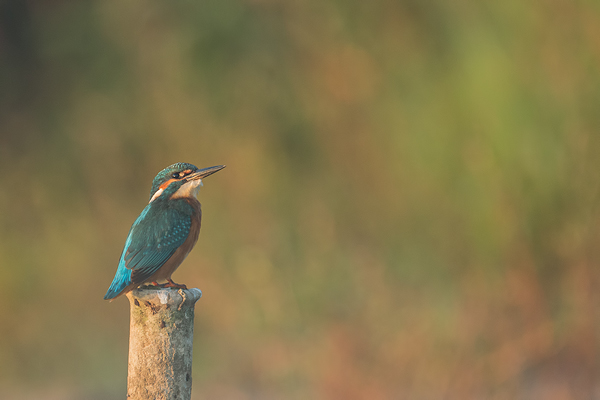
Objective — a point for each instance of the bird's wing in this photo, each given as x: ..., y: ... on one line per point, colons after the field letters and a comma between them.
x: 152, y: 240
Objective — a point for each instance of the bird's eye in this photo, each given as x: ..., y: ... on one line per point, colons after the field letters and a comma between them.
x: 175, y: 175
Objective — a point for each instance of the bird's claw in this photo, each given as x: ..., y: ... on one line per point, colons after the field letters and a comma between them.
x: 171, y: 284
x: 168, y: 284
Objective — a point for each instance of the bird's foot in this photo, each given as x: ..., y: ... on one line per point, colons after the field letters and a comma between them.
x: 151, y: 285
x: 172, y: 284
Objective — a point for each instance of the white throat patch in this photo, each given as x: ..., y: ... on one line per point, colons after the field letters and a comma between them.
x: 189, y: 189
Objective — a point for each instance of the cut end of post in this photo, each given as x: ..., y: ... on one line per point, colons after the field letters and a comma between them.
x: 168, y: 297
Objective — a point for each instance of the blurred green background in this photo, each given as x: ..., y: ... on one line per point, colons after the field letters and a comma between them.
x: 409, y: 209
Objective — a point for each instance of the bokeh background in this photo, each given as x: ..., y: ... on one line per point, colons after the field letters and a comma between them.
x: 410, y: 208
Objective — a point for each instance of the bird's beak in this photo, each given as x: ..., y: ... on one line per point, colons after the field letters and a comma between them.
x: 204, y: 172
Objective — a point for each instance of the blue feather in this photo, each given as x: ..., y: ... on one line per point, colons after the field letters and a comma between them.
x: 153, y: 238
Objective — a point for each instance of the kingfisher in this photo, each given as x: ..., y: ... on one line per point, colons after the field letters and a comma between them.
x: 165, y: 231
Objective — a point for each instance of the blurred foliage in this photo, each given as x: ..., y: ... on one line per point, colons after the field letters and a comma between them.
x: 409, y: 209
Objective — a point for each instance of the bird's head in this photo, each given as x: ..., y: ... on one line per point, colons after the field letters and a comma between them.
x: 180, y: 180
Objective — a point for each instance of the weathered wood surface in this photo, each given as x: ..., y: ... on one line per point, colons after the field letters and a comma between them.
x: 160, y: 343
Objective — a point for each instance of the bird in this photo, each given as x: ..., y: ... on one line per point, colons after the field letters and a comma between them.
x: 165, y: 231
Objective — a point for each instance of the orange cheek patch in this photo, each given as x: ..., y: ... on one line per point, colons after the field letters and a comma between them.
x: 167, y: 183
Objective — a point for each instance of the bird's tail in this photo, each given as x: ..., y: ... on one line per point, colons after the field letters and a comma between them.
x: 117, y: 286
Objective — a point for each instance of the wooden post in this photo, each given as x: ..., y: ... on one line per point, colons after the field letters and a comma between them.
x: 161, y: 334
